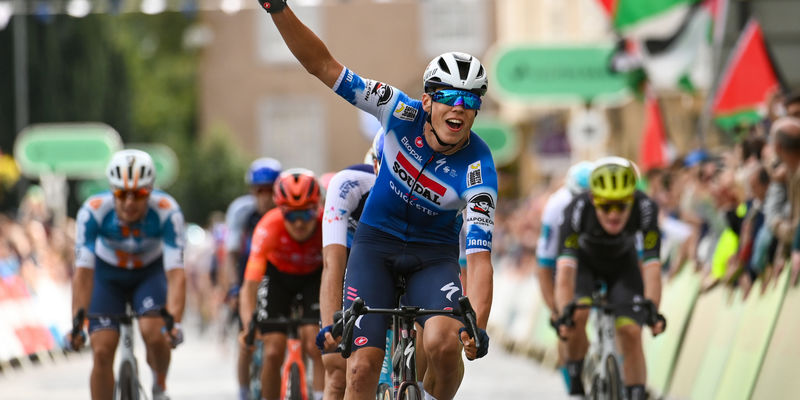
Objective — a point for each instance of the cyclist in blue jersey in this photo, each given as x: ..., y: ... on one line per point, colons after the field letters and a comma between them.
x: 241, y: 219
x: 129, y: 248
x: 433, y: 166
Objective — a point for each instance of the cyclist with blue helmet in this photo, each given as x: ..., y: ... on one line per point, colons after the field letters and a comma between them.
x: 433, y: 167
x: 241, y: 219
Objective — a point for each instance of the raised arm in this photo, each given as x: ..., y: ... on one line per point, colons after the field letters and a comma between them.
x: 306, y: 46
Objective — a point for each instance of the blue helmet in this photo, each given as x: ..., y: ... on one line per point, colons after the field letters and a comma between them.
x: 263, y: 171
x: 577, y: 179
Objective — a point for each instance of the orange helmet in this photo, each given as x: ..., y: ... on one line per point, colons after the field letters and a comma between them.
x: 296, y: 188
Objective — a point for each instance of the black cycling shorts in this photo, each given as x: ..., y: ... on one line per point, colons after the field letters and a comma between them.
x: 623, y: 279
x: 277, y: 291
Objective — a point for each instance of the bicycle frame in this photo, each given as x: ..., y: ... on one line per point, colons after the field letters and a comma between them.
x: 602, y: 353
x: 128, y: 366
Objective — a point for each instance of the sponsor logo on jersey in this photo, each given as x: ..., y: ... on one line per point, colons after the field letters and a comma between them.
x: 451, y: 289
x: 478, y: 242
x: 360, y: 341
x: 95, y: 203
x: 410, y: 149
x: 650, y: 240
x: 481, y: 203
x: 423, y: 185
x: 418, y: 141
x: 381, y: 90
x: 403, y: 195
x: 474, y: 174
x: 349, y: 76
x: 345, y: 188
x: 405, y: 111
x: 439, y: 163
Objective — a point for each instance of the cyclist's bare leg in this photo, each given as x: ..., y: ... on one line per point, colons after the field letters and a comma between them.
x: 104, y: 346
x: 577, y: 342
x: 363, y: 372
x: 629, y: 341
x: 158, y: 347
x: 443, y: 348
x: 245, y: 357
x: 422, y: 359
x: 274, y: 351
x: 308, y: 334
x: 335, y: 367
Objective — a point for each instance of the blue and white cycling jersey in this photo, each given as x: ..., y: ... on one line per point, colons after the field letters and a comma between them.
x: 101, y: 234
x: 419, y: 194
x: 344, y: 203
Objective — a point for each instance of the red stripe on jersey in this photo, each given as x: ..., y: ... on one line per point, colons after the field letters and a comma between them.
x: 423, y: 179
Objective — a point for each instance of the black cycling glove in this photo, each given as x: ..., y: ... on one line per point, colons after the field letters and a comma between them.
x: 272, y: 6
x: 483, y: 337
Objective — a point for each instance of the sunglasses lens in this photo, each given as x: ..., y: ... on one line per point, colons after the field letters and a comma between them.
x: 138, y: 193
x: 619, y: 206
x: 454, y: 98
x: 303, y: 215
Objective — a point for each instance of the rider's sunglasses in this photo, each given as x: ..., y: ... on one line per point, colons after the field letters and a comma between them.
x: 455, y: 97
x: 608, y: 206
x: 140, y: 193
x: 302, y: 215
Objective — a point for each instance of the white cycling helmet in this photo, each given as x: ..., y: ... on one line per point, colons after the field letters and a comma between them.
x: 456, y: 70
x: 577, y: 180
x: 131, y: 169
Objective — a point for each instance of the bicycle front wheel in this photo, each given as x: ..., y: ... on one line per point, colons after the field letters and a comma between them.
x: 127, y: 384
x: 614, y: 385
x: 384, y: 392
x: 294, y: 388
x: 410, y: 392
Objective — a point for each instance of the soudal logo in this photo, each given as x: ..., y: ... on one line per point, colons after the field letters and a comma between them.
x: 424, y: 186
x: 418, y: 141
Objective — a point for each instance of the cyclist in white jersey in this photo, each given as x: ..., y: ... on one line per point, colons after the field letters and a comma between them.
x: 241, y: 219
x: 129, y: 248
x: 347, y: 193
x: 433, y: 167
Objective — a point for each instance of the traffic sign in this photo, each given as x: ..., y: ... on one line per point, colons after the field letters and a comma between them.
x: 501, y: 138
x: 165, y: 160
x: 534, y: 73
x: 74, y: 150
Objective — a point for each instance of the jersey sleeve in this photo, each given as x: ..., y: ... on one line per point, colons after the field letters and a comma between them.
x: 86, y: 227
x: 547, y: 245
x: 568, y: 235
x: 174, y: 240
x: 235, y: 218
x: 346, y: 189
x: 481, y: 197
x: 376, y: 98
x: 651, y: 242
x: 259, y: 250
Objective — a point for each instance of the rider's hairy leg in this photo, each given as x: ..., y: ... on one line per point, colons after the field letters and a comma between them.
x: 274, y: 351
x: 629, y: 341
x: 363, y: 372
x: 335, y: 367
x: 104, y: 346
x: 443, y: 348
x: 308, y: 334
x: 158, y: 347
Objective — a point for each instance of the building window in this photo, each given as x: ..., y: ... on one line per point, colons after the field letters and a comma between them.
x: 292, y: 129
x: 454, y: 25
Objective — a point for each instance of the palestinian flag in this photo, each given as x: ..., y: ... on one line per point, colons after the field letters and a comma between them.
x: 748, y: 80
x: 653, y: 150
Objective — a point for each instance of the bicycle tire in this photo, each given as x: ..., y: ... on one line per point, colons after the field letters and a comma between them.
x: 127, y: 384
x: 410, y: 392
x: 384, y: 392
x: 615, y: 386
x: 294, y: 390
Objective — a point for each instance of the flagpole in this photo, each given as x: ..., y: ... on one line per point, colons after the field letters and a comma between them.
x: 716, y: 53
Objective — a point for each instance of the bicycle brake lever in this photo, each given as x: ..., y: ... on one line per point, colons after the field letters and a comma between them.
x: 471, y: 323
x: 338, y: 324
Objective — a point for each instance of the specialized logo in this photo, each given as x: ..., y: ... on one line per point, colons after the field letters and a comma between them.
x: 418, y: 141
x: 482, y: 203
x: 148, y: 302
x: 382, y: 91
x: 360, y: 341
x: 424, y: 186
x: 451, y: 289
x: 439, y: 163
x: 405, y: 112
x: 474, y: 174
x: 409, y: 352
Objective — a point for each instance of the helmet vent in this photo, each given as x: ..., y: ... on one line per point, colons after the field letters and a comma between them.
x: 480, y: 71
x: 130, y: 171
x: 614, y: 181
x: 443, y: 65
x: 463, y: 69
x: 119, y: 173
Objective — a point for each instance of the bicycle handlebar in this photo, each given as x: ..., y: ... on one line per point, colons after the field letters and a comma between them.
x: 652, y: 316
x: 348, y: 319
x: 77, y: 322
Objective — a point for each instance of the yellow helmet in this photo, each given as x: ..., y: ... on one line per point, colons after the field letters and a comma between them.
x: 613, y: 178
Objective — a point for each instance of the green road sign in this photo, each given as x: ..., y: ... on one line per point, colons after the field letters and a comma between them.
x: 86, y: 189
x: 532, y: 73
x: 501, y: 138
x: 165, y: 160
x: 75, y: 150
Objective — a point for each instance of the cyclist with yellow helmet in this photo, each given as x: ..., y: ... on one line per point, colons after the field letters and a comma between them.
x: 598, y: 241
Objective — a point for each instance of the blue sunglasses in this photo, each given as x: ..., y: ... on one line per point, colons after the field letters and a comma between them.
x: 455, y: 97
x: 303, y: 215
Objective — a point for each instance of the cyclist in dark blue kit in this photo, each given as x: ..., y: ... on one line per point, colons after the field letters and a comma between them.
x: 433, y: 167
